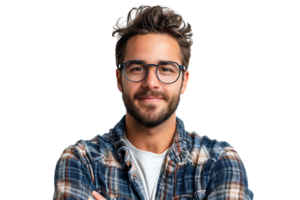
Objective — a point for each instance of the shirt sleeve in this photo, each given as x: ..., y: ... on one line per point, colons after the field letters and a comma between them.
x: 229, y: 178
x: 72, y: 179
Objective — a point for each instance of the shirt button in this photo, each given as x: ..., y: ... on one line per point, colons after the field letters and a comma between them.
x: 134, y: 178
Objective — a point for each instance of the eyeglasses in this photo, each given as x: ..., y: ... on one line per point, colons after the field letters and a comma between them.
x: 167, y: 72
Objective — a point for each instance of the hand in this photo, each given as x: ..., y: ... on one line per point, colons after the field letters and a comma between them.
x: 97, y: 196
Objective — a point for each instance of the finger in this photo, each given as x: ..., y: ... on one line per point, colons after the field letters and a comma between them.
x: 97, y: 196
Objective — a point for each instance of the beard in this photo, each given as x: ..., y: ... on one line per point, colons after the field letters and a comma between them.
x: 149, y: 118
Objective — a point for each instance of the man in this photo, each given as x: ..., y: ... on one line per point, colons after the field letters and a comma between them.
x: 148, y: 154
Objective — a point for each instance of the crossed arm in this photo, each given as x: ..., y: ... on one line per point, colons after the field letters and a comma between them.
x: 97, y: 196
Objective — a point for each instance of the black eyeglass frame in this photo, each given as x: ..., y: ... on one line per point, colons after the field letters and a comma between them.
x: 181, y: 67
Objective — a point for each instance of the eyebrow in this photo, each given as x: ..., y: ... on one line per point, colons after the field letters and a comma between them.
x: 158, y: 61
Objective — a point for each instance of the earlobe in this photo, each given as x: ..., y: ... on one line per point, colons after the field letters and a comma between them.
x: 185, y: 81
x: 188, y: 79
x: 118, y: 80
x: 119, y: 89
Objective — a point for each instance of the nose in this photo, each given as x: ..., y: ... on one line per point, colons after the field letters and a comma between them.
x: 151, y: 79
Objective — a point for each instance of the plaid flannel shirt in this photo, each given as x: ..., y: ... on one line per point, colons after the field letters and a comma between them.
x: 195, y: 168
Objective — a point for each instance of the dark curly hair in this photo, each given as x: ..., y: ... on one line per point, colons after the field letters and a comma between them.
x: 154, y: 19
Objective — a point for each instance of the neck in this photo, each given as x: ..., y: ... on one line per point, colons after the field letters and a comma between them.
x: 156, y: 139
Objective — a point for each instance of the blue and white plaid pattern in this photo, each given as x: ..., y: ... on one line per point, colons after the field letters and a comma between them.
x: 195, y: 168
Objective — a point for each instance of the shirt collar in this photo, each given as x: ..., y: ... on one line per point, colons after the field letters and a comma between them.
x: 177, y: 152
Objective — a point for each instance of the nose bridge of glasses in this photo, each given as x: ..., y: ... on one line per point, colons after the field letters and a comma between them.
x: 152, y: 65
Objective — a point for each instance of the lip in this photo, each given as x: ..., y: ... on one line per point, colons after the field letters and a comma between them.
x: 150, y: 99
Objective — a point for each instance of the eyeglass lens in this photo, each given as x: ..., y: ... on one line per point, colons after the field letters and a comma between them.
x: 166, y: 72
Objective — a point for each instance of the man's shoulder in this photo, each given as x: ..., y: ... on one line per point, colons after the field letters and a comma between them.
x: 100, y: 147
x: 205, y: 140
x: 203, y: 149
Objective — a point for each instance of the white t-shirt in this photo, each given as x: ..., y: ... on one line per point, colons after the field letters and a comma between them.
x: 148, y: 165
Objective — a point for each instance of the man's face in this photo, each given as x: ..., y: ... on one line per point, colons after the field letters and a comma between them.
x: 151, y: 102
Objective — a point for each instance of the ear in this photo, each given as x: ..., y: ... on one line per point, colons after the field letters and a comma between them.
x: 119, y: 79
x: 185, y: 81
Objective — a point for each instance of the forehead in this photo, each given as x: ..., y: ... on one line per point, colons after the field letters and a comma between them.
x: 153, y: 48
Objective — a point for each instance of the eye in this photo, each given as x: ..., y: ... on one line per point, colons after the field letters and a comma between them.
x: 165, y: 69
x: 138, y: 69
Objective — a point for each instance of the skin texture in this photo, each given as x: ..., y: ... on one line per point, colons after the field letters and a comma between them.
x: 151, y: 99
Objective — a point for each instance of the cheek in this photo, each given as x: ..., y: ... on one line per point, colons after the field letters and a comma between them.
x: 129, y: 88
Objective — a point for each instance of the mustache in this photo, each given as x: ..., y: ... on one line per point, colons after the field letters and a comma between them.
x: 150, y: 93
